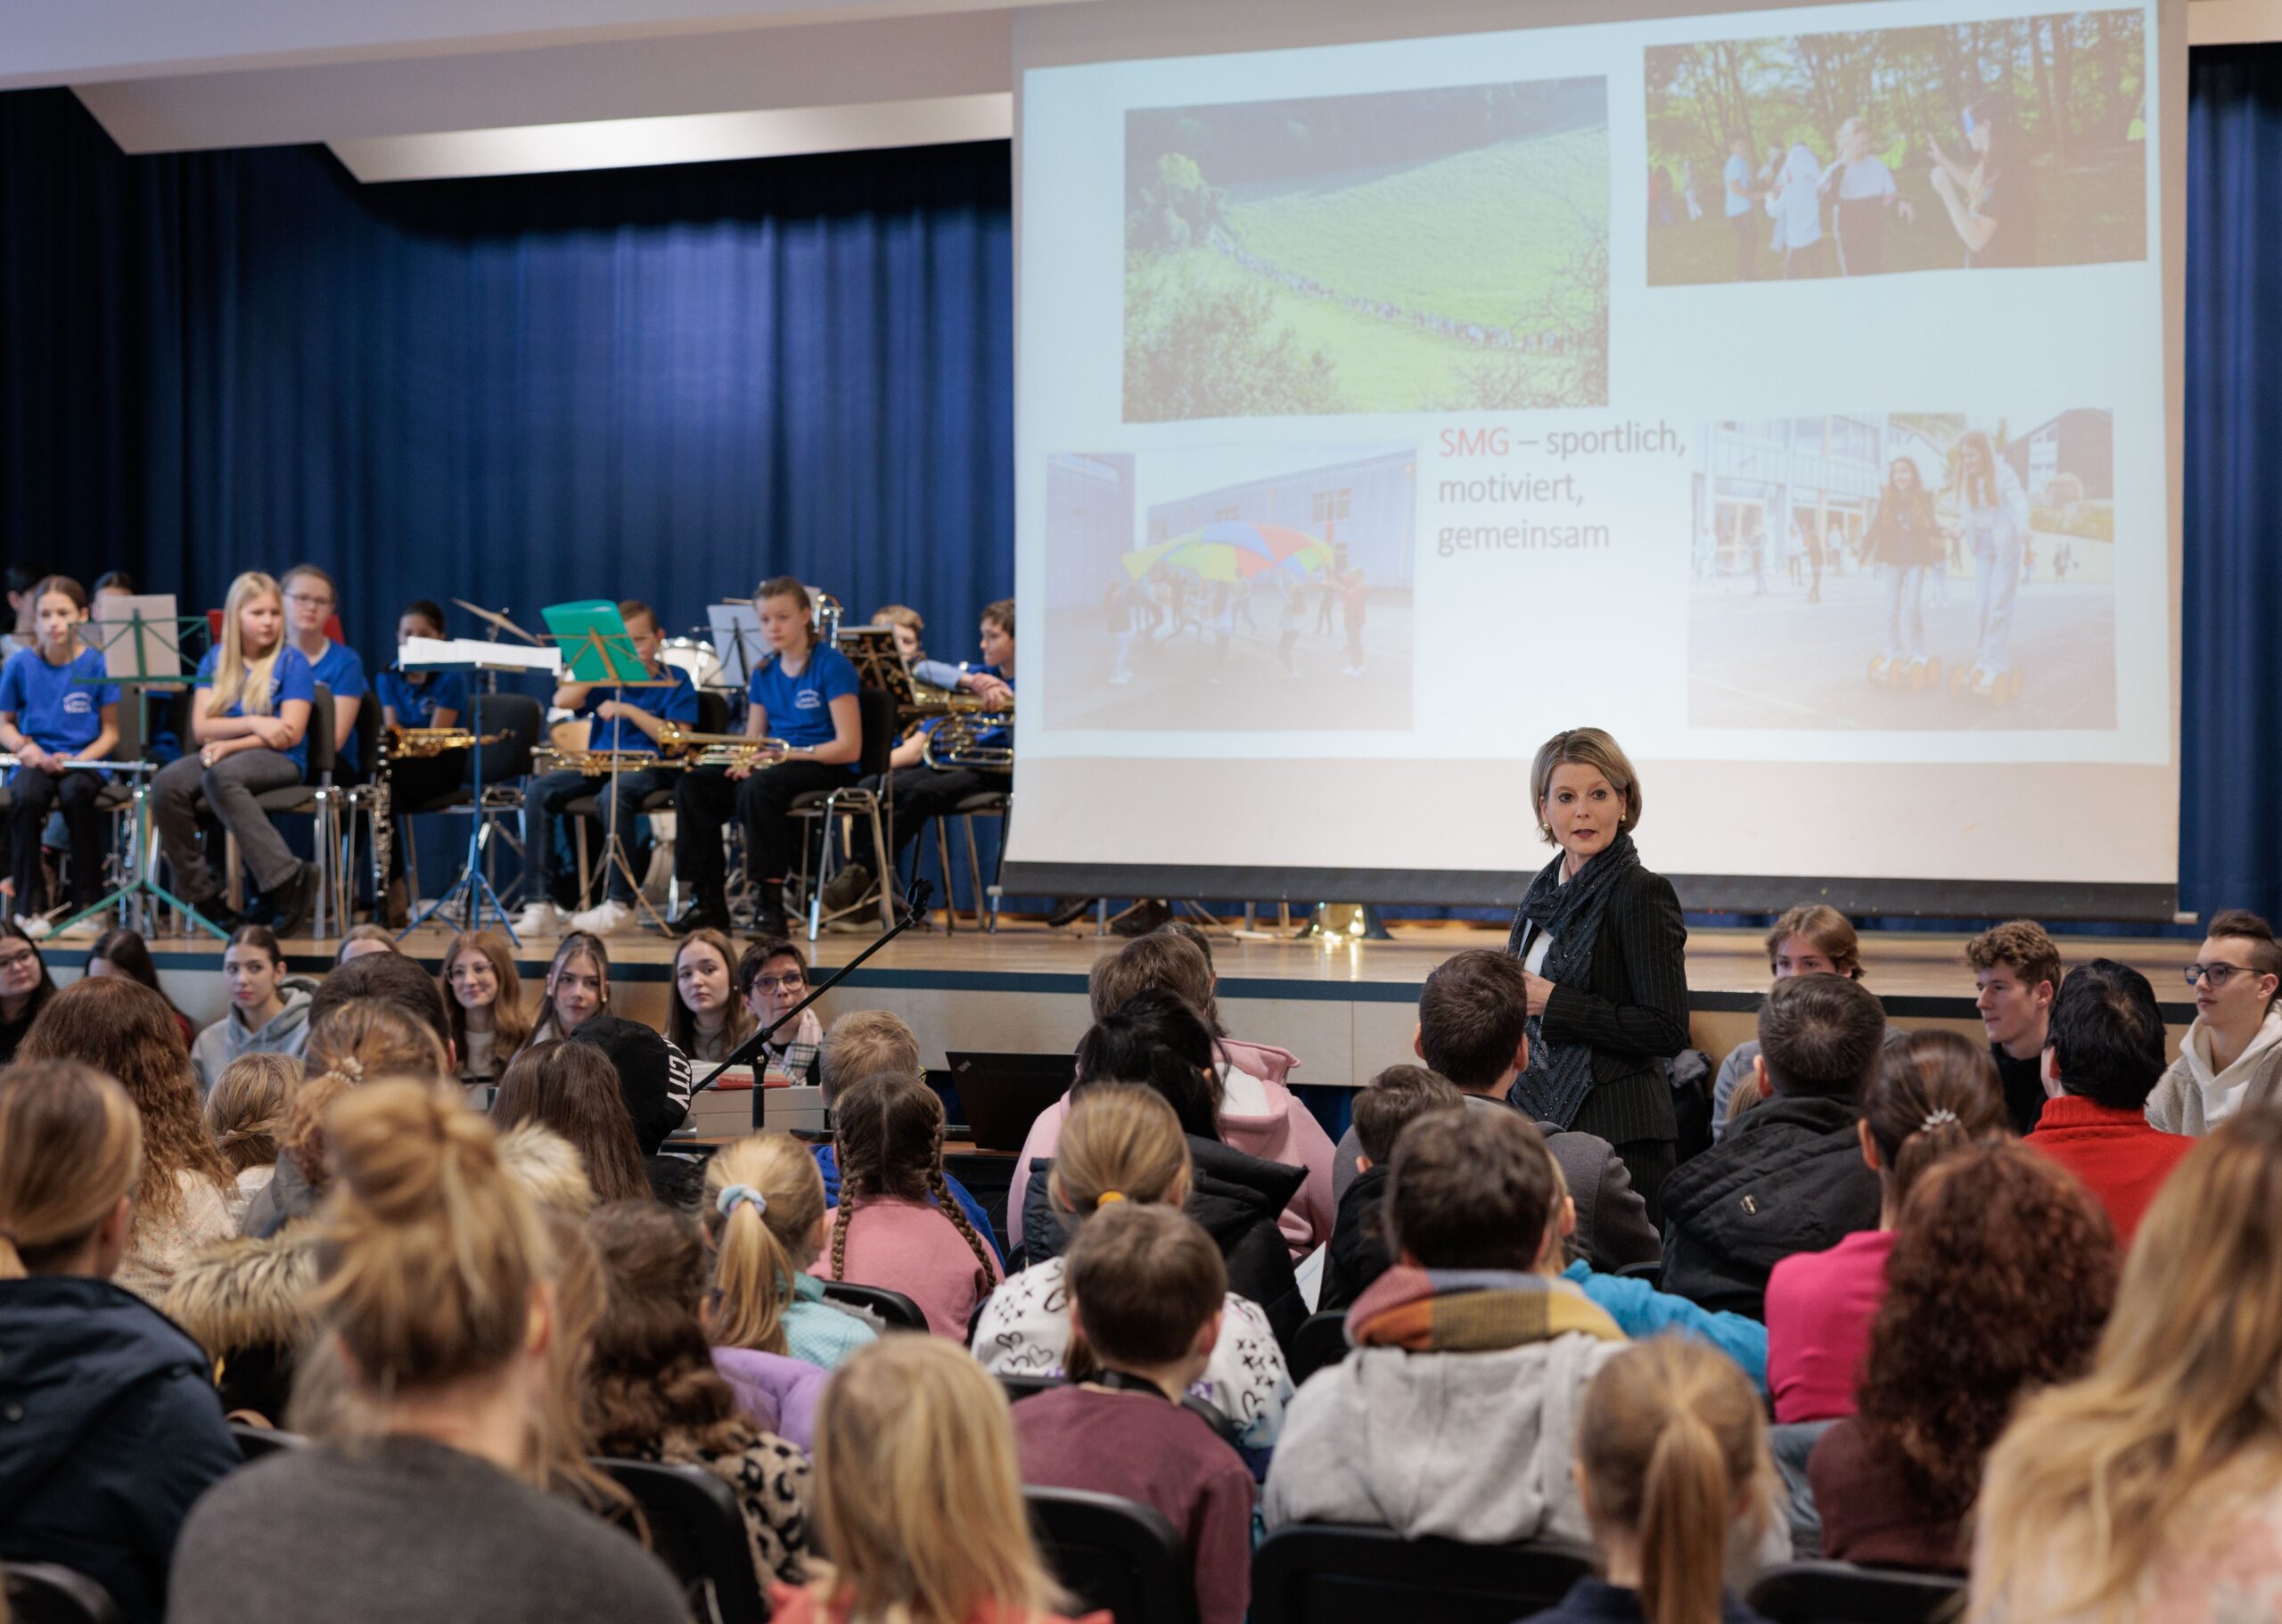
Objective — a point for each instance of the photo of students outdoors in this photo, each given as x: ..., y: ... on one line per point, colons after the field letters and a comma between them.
x: 1405, y: 251
x: 2019, y: 142
x: 1905, y: 571
x: 1281, y: 602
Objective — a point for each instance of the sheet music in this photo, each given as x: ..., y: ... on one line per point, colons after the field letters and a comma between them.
x: 458, y: 653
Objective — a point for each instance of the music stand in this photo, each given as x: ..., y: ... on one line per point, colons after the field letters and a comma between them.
x: 598, y: 651
x: 735, y: 627
x: 140, y: 651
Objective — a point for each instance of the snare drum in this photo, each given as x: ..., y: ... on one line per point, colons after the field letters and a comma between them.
x: 695, y: 657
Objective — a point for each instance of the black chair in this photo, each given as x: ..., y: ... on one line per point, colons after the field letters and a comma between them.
x: 696, y: 1529
x: 256, y: 1442
x: 899, y: 1311
x: 1019, y: 1388
x: 1114, y: 1554
x: 41, y: 1593
x: 1333, y: 1573
x: 1840, y: 1593
x: 1319, y: 1343
x: 876, y: 713
x: 983, y: 803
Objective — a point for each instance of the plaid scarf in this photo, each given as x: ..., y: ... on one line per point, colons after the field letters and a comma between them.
x: 1471, y: 1311
x: 1561, y: 1074
x: 788, y: 1066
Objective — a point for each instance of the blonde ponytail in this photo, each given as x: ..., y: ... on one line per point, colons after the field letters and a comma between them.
x: 763, y: 1196
x: 1669, y: 1438
x: 70, y: 1145
x: 1121, y: 1142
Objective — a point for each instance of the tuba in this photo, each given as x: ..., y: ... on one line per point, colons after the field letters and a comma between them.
x: 956, y: 741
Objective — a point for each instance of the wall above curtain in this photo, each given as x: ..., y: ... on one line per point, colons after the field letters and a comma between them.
x: 661, y: 384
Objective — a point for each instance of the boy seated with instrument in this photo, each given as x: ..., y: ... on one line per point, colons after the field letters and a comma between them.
x: 624, y: 727
x: 954, y: 757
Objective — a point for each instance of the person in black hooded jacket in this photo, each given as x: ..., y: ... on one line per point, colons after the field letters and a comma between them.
x: 1789, y: 1175
x: 1157, y: 1040
x: 109, y: 1426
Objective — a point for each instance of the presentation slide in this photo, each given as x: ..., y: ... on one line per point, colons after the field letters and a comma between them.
x: 1782, y: 391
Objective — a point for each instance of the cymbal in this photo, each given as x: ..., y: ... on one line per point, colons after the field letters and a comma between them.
x: 493, y: 617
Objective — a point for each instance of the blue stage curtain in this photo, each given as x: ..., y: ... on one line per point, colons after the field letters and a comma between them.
x: 2230, y: 837
x: 657, y: 384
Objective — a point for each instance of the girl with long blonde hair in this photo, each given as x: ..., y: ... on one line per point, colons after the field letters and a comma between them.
x: 765, y: 1211
x: 919, y: 1500
x: 113, y: 1427
x: 249, y: 719
x: 483, y: 1001
x: 578, y: 986
x: 435, y: 1287
x: 2151, y: 1489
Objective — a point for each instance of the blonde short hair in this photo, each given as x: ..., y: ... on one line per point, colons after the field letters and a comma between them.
x: 1585, y: 746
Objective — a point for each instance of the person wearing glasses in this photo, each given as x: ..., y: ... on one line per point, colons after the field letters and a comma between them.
x: 310, y: 600
x: 2231, y: 1057
x: 25, y: 988
x: 772, y: 977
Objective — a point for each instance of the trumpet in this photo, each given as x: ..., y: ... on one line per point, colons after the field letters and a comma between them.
x: 746, y: 752
x: 673, y: 737
x: 419, y: 744
x: 926, y: 702
x: 956, y: 741
x: 600, y: 763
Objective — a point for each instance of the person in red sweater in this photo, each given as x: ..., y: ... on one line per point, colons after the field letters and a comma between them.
x: 2103, y: 1056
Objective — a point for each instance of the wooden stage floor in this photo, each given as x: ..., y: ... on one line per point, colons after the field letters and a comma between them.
x: 1347, y: 1010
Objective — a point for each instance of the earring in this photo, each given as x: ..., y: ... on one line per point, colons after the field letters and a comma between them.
x: 1544, y: 832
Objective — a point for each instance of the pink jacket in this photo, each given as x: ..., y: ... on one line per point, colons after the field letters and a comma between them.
x: 1283, y: 1131
x: 910, y: 1247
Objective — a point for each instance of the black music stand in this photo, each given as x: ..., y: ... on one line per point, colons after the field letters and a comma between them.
x: 609, y: 647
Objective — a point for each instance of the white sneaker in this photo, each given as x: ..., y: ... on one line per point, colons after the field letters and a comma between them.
x: 37, y: 926
x: 85, y: 930
x: 602, y: 920
x: 540, y: 919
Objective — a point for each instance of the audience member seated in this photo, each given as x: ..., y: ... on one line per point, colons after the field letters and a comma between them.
x: 918, y: 1499
x: 772, y: 977
x: 571, y: 1089
x: 2104, y: 1055
x: 2232, y: 1054
x: 483, y: 999
x: 113, y: 1428
x: 765, y: 1209
x: 1388, y: 1104
x: 434, y: 1289
x: 245, y: 1113
x: 1455, y: 1414
x: 269, y: 1007
x: 1673, y: 1468
x: 1252, y: 1109
x: 2016, y: 970
x: 368, y: 1039
x: 2002, y: 1273
x: 1473, y: 1030
x: 25, y: 987
x: 181, y: 1201
x: 1934, y: 1094
x: 653, y: 1395
x: 707, y: 1019
x: 388, y: 977
x: 863, y: 1043
x: 1813, y: 939
x: 577, y: 988
x: 124, y: 953
x: 1146, y: 1288
x: 1157, y: 1040
x: 1123, y: 1147
x: 1789, y: 1178
x: 2148, y: 1490
x: 362, y: 940
x: 896, y: 1225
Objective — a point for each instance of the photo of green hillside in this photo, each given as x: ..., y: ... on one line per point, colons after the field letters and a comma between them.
x: 1416, y: 251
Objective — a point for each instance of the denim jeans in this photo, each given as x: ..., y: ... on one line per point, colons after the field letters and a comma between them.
x: 1904, y: 598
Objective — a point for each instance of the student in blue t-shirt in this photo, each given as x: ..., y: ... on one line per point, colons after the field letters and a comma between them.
x: 917, y: 792
x: 249, y: 721
x: 310, y: 600
x: 804, y: 695
x: 418, y: 700
x: 55, y: 706
x: 622, y: 720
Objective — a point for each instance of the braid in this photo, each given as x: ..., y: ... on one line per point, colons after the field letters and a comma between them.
x: 939, y: 1191
x: 839, y: 1228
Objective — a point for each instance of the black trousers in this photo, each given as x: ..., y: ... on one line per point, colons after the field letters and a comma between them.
x: 415, y: 782
x: 32, y: 792
x: 762, y: 801
x: 1650, y: 1161
x: 917, y: 794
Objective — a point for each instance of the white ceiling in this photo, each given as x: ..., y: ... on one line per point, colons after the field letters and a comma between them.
x: 419, y: 89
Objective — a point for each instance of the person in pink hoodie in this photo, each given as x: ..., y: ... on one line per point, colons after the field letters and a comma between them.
x: 1258, y: 1114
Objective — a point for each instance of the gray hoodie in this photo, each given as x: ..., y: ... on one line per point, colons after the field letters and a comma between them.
x: 286, y: 1032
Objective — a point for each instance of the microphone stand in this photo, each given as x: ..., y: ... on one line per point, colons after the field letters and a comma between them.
x: 914, y: 909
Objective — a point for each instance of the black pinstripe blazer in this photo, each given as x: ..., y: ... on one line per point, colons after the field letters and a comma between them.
x: 1632, y: 1009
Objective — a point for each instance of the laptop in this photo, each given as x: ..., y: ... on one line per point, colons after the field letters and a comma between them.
x: 1004, y: 1093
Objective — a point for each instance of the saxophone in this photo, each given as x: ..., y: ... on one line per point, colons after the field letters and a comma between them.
x: 376, y: 798
x: 408, y: 744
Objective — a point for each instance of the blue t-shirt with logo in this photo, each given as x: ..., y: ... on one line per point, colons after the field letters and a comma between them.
x: 416, y: 703
x: 677, y: 703
x: 58, y: 708
x: 799, y: 707
x: 290, y: 679
x: 342, y: 670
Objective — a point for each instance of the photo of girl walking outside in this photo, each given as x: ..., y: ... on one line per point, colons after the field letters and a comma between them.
x: 1905, y: 543
x: 1994, y: 511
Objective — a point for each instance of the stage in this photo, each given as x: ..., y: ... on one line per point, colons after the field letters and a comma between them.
x: 1346, y: 1010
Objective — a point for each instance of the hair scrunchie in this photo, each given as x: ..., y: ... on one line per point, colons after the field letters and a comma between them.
x: 1942, y: 1117
x: 727, y: 1201
x: 1107, y: 1196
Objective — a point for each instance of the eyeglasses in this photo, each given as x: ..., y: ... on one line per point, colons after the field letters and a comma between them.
x: 2218, y: 975
x: 779, y: 983
x: 308, y: 600
x: 17, y: 961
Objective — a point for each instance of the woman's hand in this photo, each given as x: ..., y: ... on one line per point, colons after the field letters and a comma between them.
x: 221, y: 750
x: 269, y: 732
x: 1541, y: 992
